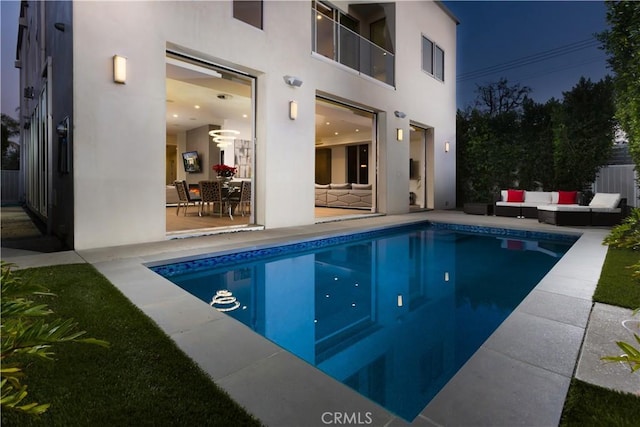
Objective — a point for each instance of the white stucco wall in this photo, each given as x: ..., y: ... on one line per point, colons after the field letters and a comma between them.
x: 120, y: 129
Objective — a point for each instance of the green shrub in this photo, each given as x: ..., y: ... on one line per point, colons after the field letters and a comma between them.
x: 627, y: 236
x: 25, y: 336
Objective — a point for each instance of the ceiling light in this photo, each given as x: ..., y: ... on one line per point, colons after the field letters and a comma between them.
x: 175, y: 115
x: 197, y: 107
x: 335, y: 133
x: 357, y: 130
x: 223, y: 137
x: 328, y: 123
x: 245, y: 116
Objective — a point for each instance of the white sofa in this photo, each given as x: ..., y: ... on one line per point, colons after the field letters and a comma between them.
x: 528, y: 207
x: 605, y: 209
x: 355, y: 196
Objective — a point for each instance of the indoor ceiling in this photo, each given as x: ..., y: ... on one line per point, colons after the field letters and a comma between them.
x: 196, y: 99
x: 198, y: 96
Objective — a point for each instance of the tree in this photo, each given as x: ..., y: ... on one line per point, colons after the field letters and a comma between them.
x: 583, y: 133
x: 499, y: 97
x: 10, y: 128
x: 536, y: 145
x: 622, y: 43
x: 487, y: 154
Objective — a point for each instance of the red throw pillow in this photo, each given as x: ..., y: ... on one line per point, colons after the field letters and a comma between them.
x: 515, y: 196
x: 567, y: 197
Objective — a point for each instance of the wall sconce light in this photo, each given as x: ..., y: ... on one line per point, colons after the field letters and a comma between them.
x: 293, y: 110
x: 119, y: 69
x: 400, y: 114
x: 400, y: 300
x: 446, y: 147
x: 292, y: 81
x: 399, y: 134
x: 446, y: 276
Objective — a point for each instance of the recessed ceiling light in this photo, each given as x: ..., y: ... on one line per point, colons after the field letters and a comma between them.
x: 245, y: 116
x: 197, y: 107
x: 328, y: 123
x: 175, y: 115
x: 335, y: 133
x: 357, y: 130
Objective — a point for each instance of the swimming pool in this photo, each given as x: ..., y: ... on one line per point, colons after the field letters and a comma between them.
x: 391, y: 313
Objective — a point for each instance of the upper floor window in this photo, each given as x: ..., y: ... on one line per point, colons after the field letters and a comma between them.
x: 432, y: 59
x: 248, y: 11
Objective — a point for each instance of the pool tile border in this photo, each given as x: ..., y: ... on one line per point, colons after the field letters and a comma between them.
x: 170, y: 269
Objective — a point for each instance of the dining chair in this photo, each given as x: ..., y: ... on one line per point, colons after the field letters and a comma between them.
x: 244, y: 203
x: 184, y: 197
x: 210, y: 193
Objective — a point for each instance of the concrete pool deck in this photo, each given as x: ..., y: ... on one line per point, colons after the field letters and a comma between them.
x: 519, y: 376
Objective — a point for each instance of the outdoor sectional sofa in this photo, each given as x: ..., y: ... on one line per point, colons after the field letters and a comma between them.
x: 561, y: 207
x: 344, y: 195
x: 524, y: 204
x: 605, y: 209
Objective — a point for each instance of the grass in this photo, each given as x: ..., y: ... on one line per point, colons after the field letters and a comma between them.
x: 590, y: 405
x: 142, y: 379
x: 616, y: 286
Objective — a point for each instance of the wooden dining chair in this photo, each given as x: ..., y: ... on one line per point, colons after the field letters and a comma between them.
x: 211, y: 193
x: 184, y: 197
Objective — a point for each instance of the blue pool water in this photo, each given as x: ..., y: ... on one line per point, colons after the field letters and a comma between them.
x: 392, y: 314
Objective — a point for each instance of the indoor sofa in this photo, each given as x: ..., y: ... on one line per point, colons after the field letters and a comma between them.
x: 605, y: 209
x: 346, y: 195
x: 524, y: 204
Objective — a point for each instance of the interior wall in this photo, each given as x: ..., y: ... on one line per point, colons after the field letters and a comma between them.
x: 199, y: 140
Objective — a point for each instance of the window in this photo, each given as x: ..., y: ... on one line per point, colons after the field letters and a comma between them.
x: 432, y: 59
x: 248, y: 11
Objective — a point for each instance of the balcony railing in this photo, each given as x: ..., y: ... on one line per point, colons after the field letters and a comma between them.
x: 339, y: 43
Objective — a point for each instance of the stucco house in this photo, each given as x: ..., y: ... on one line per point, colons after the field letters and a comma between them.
x: 117, y: 96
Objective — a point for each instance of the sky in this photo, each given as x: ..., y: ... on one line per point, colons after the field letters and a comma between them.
x: 558, y: 35
x: 551, y: 41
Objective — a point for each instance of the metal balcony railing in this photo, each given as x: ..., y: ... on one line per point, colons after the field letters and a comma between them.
x: 339, y: 43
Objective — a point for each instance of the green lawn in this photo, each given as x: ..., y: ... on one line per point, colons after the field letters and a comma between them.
x: 590, y: 405
x: 142, y: 379
x: 616, y: 286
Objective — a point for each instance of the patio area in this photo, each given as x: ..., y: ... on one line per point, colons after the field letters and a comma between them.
x: 519, y: 376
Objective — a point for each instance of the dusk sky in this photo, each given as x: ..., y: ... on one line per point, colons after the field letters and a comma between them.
x: 552, y: 40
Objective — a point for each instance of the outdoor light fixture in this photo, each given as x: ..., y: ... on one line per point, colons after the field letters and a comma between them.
x: 400, y: 114
x: 292, y: 81
x: 399, y: 300
x: 446, y: 147
x: 446, y: 276
x: 293, y: 110
x: 119, y: 69
x: 399, y: 134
